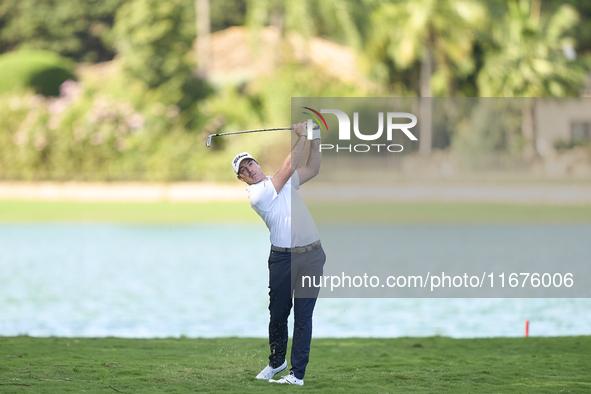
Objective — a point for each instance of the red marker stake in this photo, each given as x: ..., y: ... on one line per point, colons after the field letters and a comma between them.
x: 526, y: 328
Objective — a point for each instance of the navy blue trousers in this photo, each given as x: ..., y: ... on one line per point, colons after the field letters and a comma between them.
x: 285, y: 283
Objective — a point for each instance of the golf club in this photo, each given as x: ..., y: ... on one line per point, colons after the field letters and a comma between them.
x: 208, y: 142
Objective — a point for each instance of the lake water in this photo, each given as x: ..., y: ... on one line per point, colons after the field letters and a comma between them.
x: 211, y: 281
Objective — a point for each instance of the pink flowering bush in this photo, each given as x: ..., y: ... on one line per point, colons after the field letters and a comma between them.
x: 90, y: 135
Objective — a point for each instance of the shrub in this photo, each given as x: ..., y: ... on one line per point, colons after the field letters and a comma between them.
x: 42, y: 71
x: 87, y: 135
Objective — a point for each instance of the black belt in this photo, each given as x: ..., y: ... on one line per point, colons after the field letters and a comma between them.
x: 297, y: 249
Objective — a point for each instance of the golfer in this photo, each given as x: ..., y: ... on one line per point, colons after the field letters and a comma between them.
x: 295, y: 251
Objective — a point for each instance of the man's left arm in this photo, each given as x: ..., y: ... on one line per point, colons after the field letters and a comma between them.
x: 312, y: 167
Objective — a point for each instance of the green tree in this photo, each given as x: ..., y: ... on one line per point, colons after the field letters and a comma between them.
x: 582, y: 30
x: 438, y: 34
x: 79, y: 29
x: 333, y: 18
x: 154, y: 39
x: 528, y: 58
x: 227, y: 13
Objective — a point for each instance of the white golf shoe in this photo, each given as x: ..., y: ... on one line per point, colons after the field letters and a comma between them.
x: 268, y: 372
x: 289, y: 379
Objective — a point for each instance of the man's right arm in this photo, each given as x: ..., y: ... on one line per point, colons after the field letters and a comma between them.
x: 292, y: 161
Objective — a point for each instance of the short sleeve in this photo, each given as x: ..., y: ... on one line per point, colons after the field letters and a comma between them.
x: 295, y: 180
x: 262, y: 195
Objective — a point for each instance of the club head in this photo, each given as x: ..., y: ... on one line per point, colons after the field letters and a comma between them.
x: 208, y: 142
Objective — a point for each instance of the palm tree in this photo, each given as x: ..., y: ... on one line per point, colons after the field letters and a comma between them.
x: 528, y: 59
x: 437, y: 33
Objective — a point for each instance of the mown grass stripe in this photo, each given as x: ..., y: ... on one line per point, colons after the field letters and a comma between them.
x: 323, y: 212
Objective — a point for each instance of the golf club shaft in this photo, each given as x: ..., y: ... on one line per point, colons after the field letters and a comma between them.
x: 246, y: 131
x: 253, y: 131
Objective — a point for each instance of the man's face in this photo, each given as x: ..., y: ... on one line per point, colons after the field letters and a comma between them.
x: 250, y: 172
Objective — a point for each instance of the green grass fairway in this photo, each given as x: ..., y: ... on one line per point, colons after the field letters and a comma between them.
x: 333, y: 212
x: 447, y: 212
x: 123, y: 212
x: 497, y: 365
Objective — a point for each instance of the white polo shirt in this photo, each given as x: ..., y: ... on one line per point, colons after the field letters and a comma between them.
x: 276, y: 210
